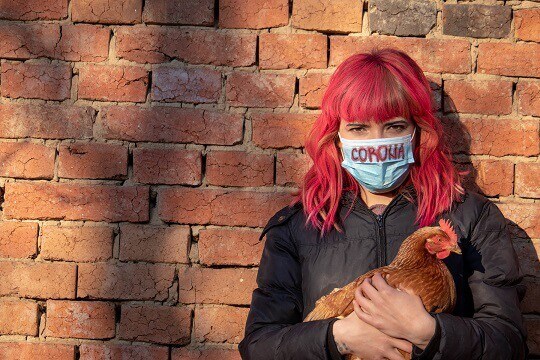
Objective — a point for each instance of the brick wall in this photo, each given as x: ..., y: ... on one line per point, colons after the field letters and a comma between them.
x: 144, y: 144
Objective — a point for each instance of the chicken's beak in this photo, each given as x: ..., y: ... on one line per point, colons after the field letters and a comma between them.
x: 456, y: 249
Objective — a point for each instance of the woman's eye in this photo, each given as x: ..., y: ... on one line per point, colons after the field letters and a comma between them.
x: 358, y: 129
x: 397, y: 127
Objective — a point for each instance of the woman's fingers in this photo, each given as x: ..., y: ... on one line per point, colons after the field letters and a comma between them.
x: 394, y: 355
x: 369, y: 290
x: 363, y: 302
x: 402, y: 344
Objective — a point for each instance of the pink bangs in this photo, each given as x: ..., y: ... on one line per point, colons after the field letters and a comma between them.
x: 377, y: 86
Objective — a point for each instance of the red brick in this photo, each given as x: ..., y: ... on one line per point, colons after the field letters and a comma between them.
x: 128, y: 281
x: 221, y: 246
x: 284, y: 51
x: 92, y: 351
x: 280, y: 130
x: 157, y: 44
x: 497, y: 137
x: 76, y: 243
x: 186, y: 12
x: 525, y: 215
x: 214, y: 352
x: 232, y: 286
x: 18, y: 317
x: 113, y: 83
x: 167, y: 166
x: 256, y: 14
x: 41, y: 280
x: 157, y: 324
x: 28, y: 41
x: 47, y: 81
x: 527, y: 184
x: 70, y: 201
x: 218, y: 207
x: 312, y: 88
x: 491, y: 177
x: 92, y: 161
x: 490, y: 97
x: 526, y: 24
x: 239, y: 168
x: 18, y: 239
x: 152, y: 243
x: 170, y: 124
x: 83, y: 42
x: 337, y: 16
x: 80, y: 319
x: 260, y: 89
x: 32, y: 351
x: 45, y: 121
x: 528, y: 94
x: 220, y: 324
x: 291, y: 168
x: 196, y: 85
x: 26, y: 160
x: 510, y: 59
x: 34, y: 10
x: 432, y: 55
x: 107, y: 12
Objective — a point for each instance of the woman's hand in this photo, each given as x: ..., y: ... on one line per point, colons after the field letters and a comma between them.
x: 354, y: 336
x: 395, y: 312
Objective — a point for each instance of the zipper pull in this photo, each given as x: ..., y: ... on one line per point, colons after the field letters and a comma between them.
x: 379, y: 217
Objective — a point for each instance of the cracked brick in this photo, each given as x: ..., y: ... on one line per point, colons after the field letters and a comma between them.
x: 170, y: 124
x: 36, y: 350
x: 92, y: 161
x: 256, y: 14
x: 181, y: 12
x: 477, y: 20
x: 490, y: 97
x: 27, y: 160
x: 291, y: 168
x: 312, y: 88
x: 527, y: 25
x: 156, y: 44
x: 113, y: 83
x: 18, y: 317
x: 72, y: 201
x: 521, y: 59
x: 220, y: 324
x: 197, y: 353
x: 223, y: 246
x: 238, y: 168
x: 194, y: 85
x: 18, y: 239
x: 528, y: 95
x: 297, y: 51
x: 46, y: 81
x: 524, y: 219
x: 527, y: 175
x: 34, y: 9
x: 281, y: 130
x: 336, y: 16
x: 167, y: 166
x: 107, y: 11
x: 122, y: 351
x: 402, y: 17
x: 260, y: 89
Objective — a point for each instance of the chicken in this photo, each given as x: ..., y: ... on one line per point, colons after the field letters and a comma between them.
x: 418, y: 266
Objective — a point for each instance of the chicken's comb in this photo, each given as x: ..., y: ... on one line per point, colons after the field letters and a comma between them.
x: 448, y: 229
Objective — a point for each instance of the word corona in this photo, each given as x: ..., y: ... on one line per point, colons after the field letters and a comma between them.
x: 379, y: 153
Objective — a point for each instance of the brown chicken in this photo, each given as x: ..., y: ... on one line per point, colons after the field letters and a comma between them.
x: 418, y: 266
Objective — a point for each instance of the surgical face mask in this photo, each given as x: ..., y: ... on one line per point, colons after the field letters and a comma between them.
x: 380, y: 165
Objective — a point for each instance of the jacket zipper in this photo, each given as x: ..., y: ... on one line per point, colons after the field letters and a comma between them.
x: 381, y: 235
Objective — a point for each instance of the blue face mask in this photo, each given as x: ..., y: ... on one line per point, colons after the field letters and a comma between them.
x: 380, y: 165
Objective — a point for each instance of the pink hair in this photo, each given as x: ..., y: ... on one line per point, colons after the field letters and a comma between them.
x: 380, y: 85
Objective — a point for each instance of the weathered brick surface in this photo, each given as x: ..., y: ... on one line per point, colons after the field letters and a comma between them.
x: 156, y: 324
x: 214, y: 352
x: 192, y: 85
x: 222, y: 246
x: 477, y: 20
x: 92, y: 161
x: 238, y: 168
x: 170, y: 124
x: 128, y: 281
x: 25, y: 200
x: 526, y: 24
x: 34, y: 10
x: 46, y: 81
x: 409, y: 18
x: 186, y: 12
x: 18, y: 239
x: 260, y: 90
x: 527, y: 184
x: 76, y: 243
x: 18, y: 317
x: 256, y: 14
x: 509, y: 59
x: 312, y: 88
x: 283, y: 51
x: 336, y: 16
x: 154, y: 243
x: 528, y: 93
x: 113, y: 83
x: 26, y: 160
x: 107, y: 12
x: 220, y: 324
x: 157, y: 44
x: 91, y: 351
x: 291, y: 168
x: 478, y: 96
x: 273, y: 130
x: 167, y: 166
x: 80, y: 319
x: 29, y: 351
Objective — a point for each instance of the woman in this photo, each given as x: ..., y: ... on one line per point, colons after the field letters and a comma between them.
x: 355, y: 207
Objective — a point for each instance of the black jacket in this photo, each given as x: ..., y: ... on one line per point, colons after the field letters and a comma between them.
x: 297, y: 267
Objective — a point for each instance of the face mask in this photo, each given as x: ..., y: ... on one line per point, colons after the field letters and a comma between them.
x: 380, y: 165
